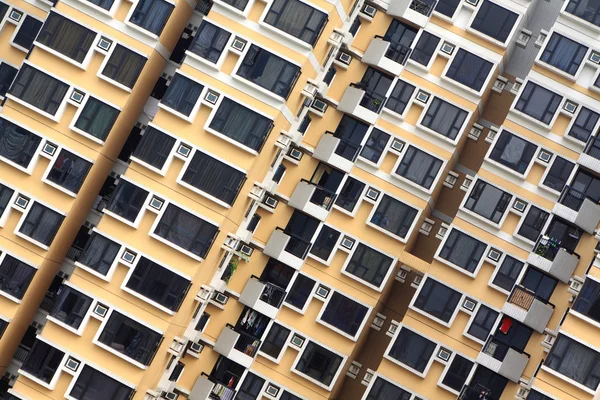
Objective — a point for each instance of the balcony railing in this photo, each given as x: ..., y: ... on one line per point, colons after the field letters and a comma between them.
x: 546, y: 247
x: 423, y: 7
x: 297, y: 246
x: 524, y: 298
x: 48, y: 302
x: 204, y: 6
x: 345, y: 148
x: 572, y: 198
x: 22, y: 353
x: 371, y: 100
x: 479, y: 392
x: 273, y: 295
x: 592, y: 148
x: 321, y: 196
x: 74, y: 253
x: 246, y: 343
x: 396, y: 52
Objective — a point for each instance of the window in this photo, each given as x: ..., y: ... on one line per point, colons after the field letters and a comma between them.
x: 369, y: 265
x: 69, y: 171
x: 419, y: 167
x: 41, y: 224
x: 7, y: 75
x: 412, y: 349
x: 564, y: 53
x: 400, y: 96
x: 508, y: 272
x: 124, y: 66
x: 104, y: 4
x: 539, y: 282
x: 469, y: 69
x: 584, y: 124
x: 585, y: 9
x: 239, y: 4
x: 444, y: 118
x: 375, y: 146
x: 319, y: 363
x: 158, y: 284
x: 241, y: 124
x: 39, y: 89
x: 17, y: 144
x: 15, y: 276
x: 483, y: 322
x: 394, y: 216
x: 458, y: 372
x: 425, y: 48
x: 351, y: 132
x: 463, y: 250
x: 437, y: 300
x: 97, y: 118
x: 383, y: 389
x: 130, y: 338
x: 559, y: 173
x: 214, y: 177
x: 127, y: 200
x: 300, y: 291
x: 288, y: 396
x: 297, y: 19
x: 269, y: 71
x: 588, y: 300
x: 93, y: 384
x: 513, y: 152
x: 275, y: 340
x: 3, y: 9
x: 325, y: 243
x: 533, y: 223
x: 210, y: 41
x: 251, y: 387
x: 575, y: 361
x: 447, y: 7
x: 344, y: 314
x: 71, y: 306
x: 494, y: 21
x: 5, y: 196
x: 538, y: 102
x: 43, y: 361
x: 67, y: 37
x: 488, y: 201
x: 152, y: 15
x: 350, y: 194
x: 99, y: 253
x: 27, y: 32
x: 3, y: 325
x: 535, y: 395
x: 182, y: 94
x: 186, y: 230
x: 154, y: 147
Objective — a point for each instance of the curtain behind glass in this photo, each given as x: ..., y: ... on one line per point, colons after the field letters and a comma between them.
x: 469, y: 69
x: 94, y: 385
x: 576, y: 361
x: 97, y: 118
x: 69, y: 171
x: 124, y: 66
x: 15, y: 276
x: 105, y: 4
x: 43, y: 361
x: 412, y: 349
x: 182, y: 94
x: 444, y: 118
x: 99, y: 253
x: 71, y: 306
x: 419, y: 167
x: 66, y: 36
x: 383, y: 389
x: 5, y: 195
x: 297, y: 19
x: 369, y: 265
x: 209, y: 41
x: 7, y: 75
x: 463, y: 250
x: 17, y: 144
x: 42, y: 224
x: 39, y: 89
x: 154, y: 147
x: 152, y: 15
x: 394, y: 216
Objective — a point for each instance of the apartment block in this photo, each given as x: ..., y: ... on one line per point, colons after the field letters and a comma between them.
x: 299, y: 199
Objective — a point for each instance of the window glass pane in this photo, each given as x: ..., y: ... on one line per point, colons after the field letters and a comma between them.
x: 17, y: 144
x: 483, y: 322
x: 152, y: 15
x: 438, y: 300
x: 444, y: 118
x: 469, y: 69
x: 419, y: 167
x: 584, y: 124
x: 104, y: 4
x: 351, y: 132
x: 99, y: 253
x: 575, y: 361
x: 154, y: 147
x: 43, y: 361
x: 383, y: 389
x: 27, y: 32
x: 124, y: 66
x: 463, y: 250
x: 66, y: 37
x: 369, y: 265
x: 394, y: 216
x: 275, y: 340
x: 209, y: 41
x: 71, y: 306
x: 319, y: 363
x: 92, y: 384
x: 269, y: 71
x: 447, y: 7
x: 5, y: 196
x: 513, y: 152
x: 373, y: 149
x: 41, y: 224
x: 39, y: 89
x: 182, y: 94
x: 563, y: 53
x: 69, y: 171
x: 533, y: 223
x: 324, y: 244
x: 425, y: 48
x: 400, y: 96
x: 350, y: 194
x: 97, y: 118
x: 538, y: 102
x: 15, y: 276
x: 539, y: 282
x: 3, y: 9
x: 3, y: 325
x: 559, y: 173
x: 344, y: 313
x: 588, y: 300
x: 241, y: 124
x: 494, y: 21
x: 412, y: 349
x: 288, y: 396
x: 585, y: 9
x: 508, y: 273
x: 457, y: 373
x: 7, y: 75
x: 488, y: 201
x: 297, y: 19
x: 535, y: 395
x: 251, y: 387
x: 300, y: 291
x: 214, y: 177
x: 127, y: 200
x: 186, y: 230
x: 239, y: 4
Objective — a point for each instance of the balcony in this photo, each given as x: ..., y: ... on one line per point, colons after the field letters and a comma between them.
x: 337, y: 152
x: 416, y: 12
x: 287, y: 248
x: 550, y: 257
x: 361, y: 103
x: 590, y: 158
x: 503, y: 359
x: 524, y: 306
x: 312, y: 199
x: 576, y: 207
x: 239, y: 347
x: 387, y: 56
x: 207, y: 388
x: 264, y: 297
x: 479, y: 392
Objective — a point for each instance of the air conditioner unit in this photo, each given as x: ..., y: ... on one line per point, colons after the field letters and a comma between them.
x: 469, y: 304
x: 271, y: 202
x: 169, y: 395
x: 196, y: 347
x: 246, y: 250
x: 417, y: 281
x: 221, y: 298
x: 444, y: 354
x: 295, y: 154
x: 319, y: 105
x: 369, y: 10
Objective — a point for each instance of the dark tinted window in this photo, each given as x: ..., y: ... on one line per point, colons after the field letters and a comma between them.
x: 124, y: 66
x: 104, y: 4
x: 182, y: 94
x: 27, y: 32
x: 412, y: 349
x: 585, y: 9
x: 469, y: 69
x: 275, y: 340
x: 97, y: 118
x: 394, y: 216
x: 319, y: 363
x: 127, y: 200
x: 538, y: 102
x: 444, y: 118
x: 152, y: 15
x: 99, y: 253
x: 564, y: 53
x: 66, y: 37
x: 41, y: 224
x: 71, y: 306
x: 425, y: 48
x: 251, y: 387
x: 344, y: 313
x: 209, y: 41
x: 15, y: 276
x: 458, y: 372
x: 39, y: 89
x: 488, y: 201
x: 325, y: 242
x: 575, y: 361
x: 508, y: 272
x: 369, y: 265
x: 584, y: 124
x: 7, y: 75
x: 350, y: 194
x: 537, y: 281
x: 463, y: 250
x: 494, y: 21
x: 298, y: 19
x: 588, y: 300
x: 17, y: 144
x: 3, y: 9
x: 92, y: 384
x: 400, y: 96
x: 3, y: 325
x: 513, y: 152
x: 559, y: 173
x: 69, y: 171
x: 535, y: 395
x: 383, y: 389
x: 239, y: 4
x: 43, y: 361
x: 5, y: 196
x: 437, y: 300
x: 300, y: 291
x: 154, y: 147
x: 447, y: 7
x: 419, y: 167
x: 483, y: 322
x: 376, y: 143
x: 533, y: 223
